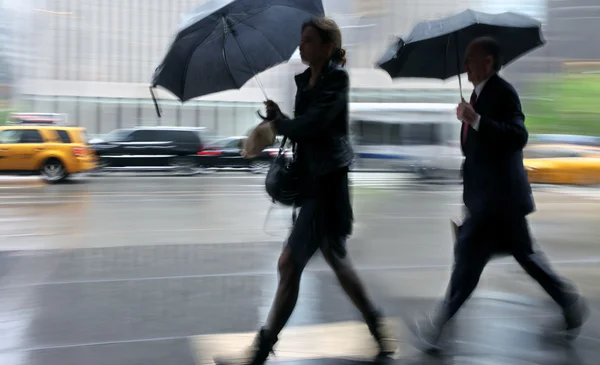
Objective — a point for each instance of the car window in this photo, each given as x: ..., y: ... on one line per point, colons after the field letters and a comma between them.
x: 31, y: 136
x: 10, y: 136
x: 63, y: 136
x: 205, y: 136
x: 165, y: 136
x: 221, y: 143
x: 533, y: 153
x: 145, y: 135
x: 234, y: 143
x: 186, y: 137
x: 118, y: 135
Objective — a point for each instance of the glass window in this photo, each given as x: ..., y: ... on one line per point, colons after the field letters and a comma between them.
x: 63, y: 136
x: 107, y: 115
x: 205, y: 136
x: 370, y: 133
x: 186, y: 137
x: 145, y: 136
x: 10, y: 136
x: 395, y: 135
x: 234, y: 143
x: 129, y: 114
x: 378, y: 133
x: 163, y: 135
x: 118, y: 135
x: 420, y: 134
x: 222, y: 143
x: 31, y: 136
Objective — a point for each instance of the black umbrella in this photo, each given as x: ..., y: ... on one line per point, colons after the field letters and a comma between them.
x: 436, y: 49
x: 224, y: 43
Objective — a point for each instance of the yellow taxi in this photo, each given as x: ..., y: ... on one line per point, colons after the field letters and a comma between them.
x: 50, y: 150
x: 562, y: 164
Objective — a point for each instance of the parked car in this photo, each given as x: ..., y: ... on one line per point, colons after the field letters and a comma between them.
x: 52, y: 151
x: 152, y: 148
x: 227, y: 153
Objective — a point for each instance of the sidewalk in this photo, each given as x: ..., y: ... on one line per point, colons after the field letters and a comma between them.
x: 183, y: 304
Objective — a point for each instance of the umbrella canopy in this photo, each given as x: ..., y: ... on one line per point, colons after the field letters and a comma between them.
x: 224, y: 43
x: 436, y: 49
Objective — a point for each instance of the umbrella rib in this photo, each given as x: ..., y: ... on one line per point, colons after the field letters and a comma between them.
x: 187, y: 31
x: 187, y: 63
x: 250, y: 16
x: 229, y: 68
x: 270, y: 6
x: 268, y: 40
x: 184, y: 34
x: 223, y: 53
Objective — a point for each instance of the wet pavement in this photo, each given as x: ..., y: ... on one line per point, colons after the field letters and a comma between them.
x: 172, y: 270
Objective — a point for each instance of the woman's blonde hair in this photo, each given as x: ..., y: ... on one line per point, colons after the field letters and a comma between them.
x: 329, y: 31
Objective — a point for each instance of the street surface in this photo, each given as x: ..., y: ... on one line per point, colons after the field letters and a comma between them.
x: 124, y: 269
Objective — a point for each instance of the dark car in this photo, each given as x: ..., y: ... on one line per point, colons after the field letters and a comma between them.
x: 151, y: 147
x: 227, y: 153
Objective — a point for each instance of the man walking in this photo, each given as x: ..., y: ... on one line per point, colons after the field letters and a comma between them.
x: 497, y: 195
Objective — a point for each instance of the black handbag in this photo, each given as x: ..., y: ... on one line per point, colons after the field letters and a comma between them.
x: 282, y: 182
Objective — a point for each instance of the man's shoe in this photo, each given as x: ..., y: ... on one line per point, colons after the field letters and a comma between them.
x: 427, y: 333
x: 257, y: 354
x: 575, y: 316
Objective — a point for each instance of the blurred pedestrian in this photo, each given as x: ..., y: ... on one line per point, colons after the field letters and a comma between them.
x: 497, y: 195
x: 322, y: 159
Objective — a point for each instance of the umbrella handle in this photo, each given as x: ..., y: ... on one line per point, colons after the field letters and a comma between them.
x: 458, y: 65
x: 156, y: 107
x: 228, y: 25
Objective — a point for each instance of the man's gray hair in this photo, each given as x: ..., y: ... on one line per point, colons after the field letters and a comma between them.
x: 490, y: 47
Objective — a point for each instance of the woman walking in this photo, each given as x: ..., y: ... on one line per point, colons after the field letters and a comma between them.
x: 323, y: 156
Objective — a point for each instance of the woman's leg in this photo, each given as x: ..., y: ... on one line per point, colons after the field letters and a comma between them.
x: 350, y: 282
x: 298, y: 251
x: 286, y: 295
x: 336, y: 256
x: 281, y: 310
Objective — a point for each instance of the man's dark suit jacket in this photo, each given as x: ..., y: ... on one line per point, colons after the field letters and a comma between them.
x: 494, y: 177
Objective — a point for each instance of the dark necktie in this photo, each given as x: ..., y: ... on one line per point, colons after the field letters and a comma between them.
x: 466, y: 125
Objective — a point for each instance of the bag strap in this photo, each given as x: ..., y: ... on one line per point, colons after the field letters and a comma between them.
x: 281, y: 151
x: 282, y: 145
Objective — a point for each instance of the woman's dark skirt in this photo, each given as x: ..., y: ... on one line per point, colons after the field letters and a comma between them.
x: 325, y: 218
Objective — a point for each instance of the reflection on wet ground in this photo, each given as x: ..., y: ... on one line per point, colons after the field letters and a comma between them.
x: 172, y: 270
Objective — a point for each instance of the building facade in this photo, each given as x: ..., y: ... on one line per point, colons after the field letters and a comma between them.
x: 573, y: 26
x: 94, y: 59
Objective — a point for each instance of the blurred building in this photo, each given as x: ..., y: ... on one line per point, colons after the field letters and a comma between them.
x: 572, y: 29
x: 6, y: 73
x: 93, y: 59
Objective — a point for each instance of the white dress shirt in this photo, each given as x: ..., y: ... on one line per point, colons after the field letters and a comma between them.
x: 478, y: 90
